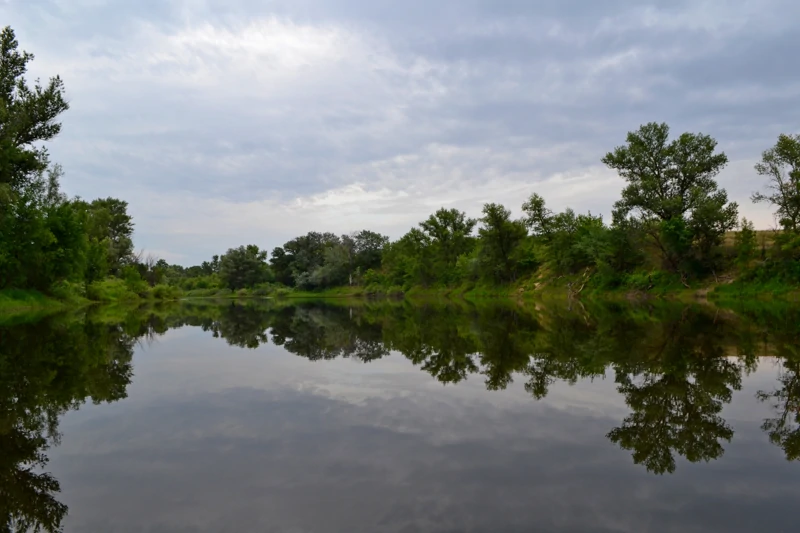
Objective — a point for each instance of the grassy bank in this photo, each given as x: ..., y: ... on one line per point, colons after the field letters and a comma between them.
x: 18, y: 302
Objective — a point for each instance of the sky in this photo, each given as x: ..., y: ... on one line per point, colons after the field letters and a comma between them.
x: 233, y: 122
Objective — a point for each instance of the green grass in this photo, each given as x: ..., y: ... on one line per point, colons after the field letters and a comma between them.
x: 16, y: 302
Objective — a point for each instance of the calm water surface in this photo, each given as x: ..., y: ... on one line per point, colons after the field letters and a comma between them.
x: 400, y: 417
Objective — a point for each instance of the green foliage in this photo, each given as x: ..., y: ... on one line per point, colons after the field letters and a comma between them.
x: 448, y: 233
x: 781, y: 166
x: 165, y: 292
x: 745, y: 244
x: 500, y: 240
x: 109, y: 224
x: 672, y: 190
x: 244, y: 267
x: 114, y: 289
x: 408, y: 261
x: 28, y: 116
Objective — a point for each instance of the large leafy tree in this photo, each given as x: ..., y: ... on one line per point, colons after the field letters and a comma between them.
x: 298, y: 258
x: 110, y: 228
x: 671, y: 188
x: 450, y: 233
x: 781, y: 166
x: 500, y: 238
x: 407, y: 261
x: 244, y: 267
x: 42, y: 238
x: 28, y: 116
x: 368, y: 248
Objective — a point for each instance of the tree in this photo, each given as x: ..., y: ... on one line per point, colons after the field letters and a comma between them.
x: 745, y: 243
x: 781, y: 165
x: 27, y: 117
x: 244, y: 267
x: 43, y: 239
x: 295, y: 260
x: 281, y: 263
x: 369, y: 249
x: 449, y: 231
x: 499, y: 239
x: 407, y: 261
x: 109, y: 223
x: 537, y: 216
x: 671, y: 188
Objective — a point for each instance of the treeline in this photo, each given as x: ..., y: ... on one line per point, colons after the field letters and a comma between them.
x: 669, y: 227
x: 672, y: 225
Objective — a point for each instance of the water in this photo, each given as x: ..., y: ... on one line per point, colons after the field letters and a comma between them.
x: 400, y: 417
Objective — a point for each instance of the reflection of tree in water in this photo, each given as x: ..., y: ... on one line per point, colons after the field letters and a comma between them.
x: 320, y: 333
x: 48, y: 369
x: 782, y: 340
x: 245, y: 327
x: 676, y: 387
x: 784, y: 429
x: 506, y: 338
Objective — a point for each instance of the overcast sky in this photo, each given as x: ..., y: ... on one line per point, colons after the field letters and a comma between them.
x: 242, y: 121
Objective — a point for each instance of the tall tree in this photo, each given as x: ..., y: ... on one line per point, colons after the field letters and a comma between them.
x: 500, y: 238
x: 450, y: 233
x: 109, y: 225
x: 671, y: 188
x: 781, y: 166
x: 244, y: 267
x: 27, y: 117
x: 369, y: 249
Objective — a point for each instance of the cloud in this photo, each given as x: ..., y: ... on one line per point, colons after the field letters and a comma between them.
x: 262, y: 120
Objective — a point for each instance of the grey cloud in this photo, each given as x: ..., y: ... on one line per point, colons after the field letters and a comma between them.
x: 284, y: 460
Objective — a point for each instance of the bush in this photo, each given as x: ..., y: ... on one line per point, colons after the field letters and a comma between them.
x: 67, y: 290
x: 111, y: 289
x: 282, y: 292
x: 165, y: 292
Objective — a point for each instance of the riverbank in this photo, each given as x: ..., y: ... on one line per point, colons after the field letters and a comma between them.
x: 14, y: 303
x: 723, y: 290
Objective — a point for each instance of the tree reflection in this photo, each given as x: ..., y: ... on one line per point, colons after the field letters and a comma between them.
x: 784, y: 429
x: 675, y: 366
x: 676, y: 390
x: 48, y: 369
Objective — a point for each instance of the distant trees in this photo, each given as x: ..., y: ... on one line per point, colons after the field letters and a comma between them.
x: 319, y: 260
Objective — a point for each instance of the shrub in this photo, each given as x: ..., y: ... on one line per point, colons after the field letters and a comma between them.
x: 67, y: 290
x: 165, y: 292
x: 110, y: 289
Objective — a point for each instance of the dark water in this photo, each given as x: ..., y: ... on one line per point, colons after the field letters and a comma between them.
x: 393, y: 417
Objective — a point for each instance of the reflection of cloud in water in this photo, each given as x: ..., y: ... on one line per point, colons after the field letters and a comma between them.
x: 284, y: 460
